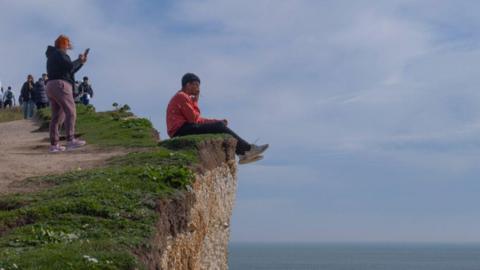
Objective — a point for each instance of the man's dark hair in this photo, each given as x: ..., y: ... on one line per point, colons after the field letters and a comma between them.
x: 85, y: 78
x: 188, y: 78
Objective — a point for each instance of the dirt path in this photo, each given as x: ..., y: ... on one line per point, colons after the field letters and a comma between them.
x: 24, y: 153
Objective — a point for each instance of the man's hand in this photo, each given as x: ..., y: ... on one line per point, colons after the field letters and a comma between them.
x: 194, y: 97
x: 83, y: 58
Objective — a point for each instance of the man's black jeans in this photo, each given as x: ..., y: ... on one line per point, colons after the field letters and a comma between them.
x: 216, y: 127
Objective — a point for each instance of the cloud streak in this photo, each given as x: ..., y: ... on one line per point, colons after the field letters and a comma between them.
x: 345, y: 92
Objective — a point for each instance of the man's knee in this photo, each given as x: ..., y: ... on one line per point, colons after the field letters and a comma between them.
x: 219, y: 126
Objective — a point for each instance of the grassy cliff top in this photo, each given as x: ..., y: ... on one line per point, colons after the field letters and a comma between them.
x: 98, y: 218
x: 111, y: 128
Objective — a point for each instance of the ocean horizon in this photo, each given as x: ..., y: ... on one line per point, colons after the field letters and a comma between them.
x: 354, y: 256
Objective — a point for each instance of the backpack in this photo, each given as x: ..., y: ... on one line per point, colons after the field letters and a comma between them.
x: 9, y: 95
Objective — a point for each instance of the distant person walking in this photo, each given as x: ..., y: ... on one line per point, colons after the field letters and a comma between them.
x: 85, y: 91
x: 9, y: 98
x: 61, y: 79
x: 1, y: 97
x: 183, y: 118
x: 26, y: 97
x: 39, y: 92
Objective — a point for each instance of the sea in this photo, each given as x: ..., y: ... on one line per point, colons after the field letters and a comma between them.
x: 354, y: 256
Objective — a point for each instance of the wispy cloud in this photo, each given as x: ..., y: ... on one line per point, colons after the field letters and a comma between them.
x: 344, y: 91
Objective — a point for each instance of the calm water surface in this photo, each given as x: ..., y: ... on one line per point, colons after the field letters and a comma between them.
x: 354, y: 256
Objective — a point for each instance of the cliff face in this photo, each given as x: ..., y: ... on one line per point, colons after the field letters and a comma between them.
x: 194, y: 227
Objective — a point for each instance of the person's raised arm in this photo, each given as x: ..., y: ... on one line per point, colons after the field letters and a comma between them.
x: 77, y: 64
x: 188, y: 110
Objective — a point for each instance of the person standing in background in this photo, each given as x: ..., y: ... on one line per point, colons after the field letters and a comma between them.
x: 1, y: 96
x: 26, y: 97
x: 61, y: 81
x: 9, y: 98
x: 39, y: 94
x: 85, y: 91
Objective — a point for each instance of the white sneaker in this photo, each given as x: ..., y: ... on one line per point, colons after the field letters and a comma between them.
x: 75, y: 143
x: 256, y: 150
x: 244, y: 159
x: 56, y: 148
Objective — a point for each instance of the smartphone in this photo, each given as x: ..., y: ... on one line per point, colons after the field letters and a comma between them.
x: 86, y: 51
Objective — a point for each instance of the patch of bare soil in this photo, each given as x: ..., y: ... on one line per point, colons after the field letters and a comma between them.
x: 24, y: 153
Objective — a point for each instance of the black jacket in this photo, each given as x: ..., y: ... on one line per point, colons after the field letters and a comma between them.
x: 39, y: 94
x: 26, y: 94
x: 60, y: 66
x: 85, y: 88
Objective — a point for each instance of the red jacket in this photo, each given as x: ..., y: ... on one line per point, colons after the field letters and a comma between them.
x: 183, y: 109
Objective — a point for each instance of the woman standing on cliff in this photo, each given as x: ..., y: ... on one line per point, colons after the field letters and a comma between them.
x: 61, y: 70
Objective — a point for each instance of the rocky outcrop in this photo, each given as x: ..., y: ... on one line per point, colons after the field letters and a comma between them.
x: 194, y: 227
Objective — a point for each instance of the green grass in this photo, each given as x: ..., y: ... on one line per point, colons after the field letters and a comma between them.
x: 101, y: 213
x: 8, y: 115
x: 97, y: 218
x: 111, y: 128
x: 190, y: 141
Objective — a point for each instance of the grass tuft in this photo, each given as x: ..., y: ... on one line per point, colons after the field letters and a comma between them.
x: 13, y: 114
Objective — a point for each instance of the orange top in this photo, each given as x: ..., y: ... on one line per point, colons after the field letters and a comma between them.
x: 183, y: 109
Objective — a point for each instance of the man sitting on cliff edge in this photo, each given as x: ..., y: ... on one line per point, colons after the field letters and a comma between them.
x: 183, y: 118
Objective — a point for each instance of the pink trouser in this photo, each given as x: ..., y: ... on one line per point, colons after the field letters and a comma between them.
x: 60, y: 94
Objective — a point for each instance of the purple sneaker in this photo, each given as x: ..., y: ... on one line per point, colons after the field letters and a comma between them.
x: 56, y: 148
x: 75, y: 143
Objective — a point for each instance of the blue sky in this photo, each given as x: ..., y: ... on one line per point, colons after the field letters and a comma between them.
x: 371, y: 107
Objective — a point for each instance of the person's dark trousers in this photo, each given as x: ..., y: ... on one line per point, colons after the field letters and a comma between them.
x: 41, y: 105
x: 216, y: 127
x: 8, y: 103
